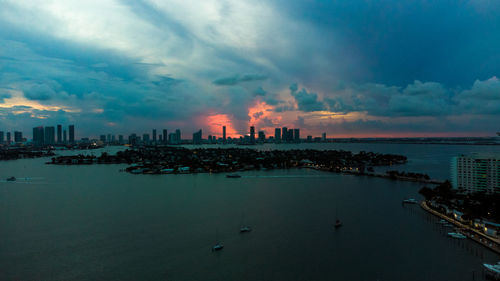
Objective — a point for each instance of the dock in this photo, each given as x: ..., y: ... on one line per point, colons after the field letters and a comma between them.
x: 471, y: 233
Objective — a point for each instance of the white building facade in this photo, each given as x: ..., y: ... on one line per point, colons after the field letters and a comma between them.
x: 476, y: 174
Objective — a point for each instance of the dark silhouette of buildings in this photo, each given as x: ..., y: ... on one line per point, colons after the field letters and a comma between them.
x: 71, y: 134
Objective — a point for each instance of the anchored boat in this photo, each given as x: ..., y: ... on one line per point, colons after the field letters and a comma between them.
x: 493, y: 270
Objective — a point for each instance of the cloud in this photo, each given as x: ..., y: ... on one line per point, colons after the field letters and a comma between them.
x: 236, y: 79
x: 306, y: 101
x: 4, y: 96
x: 152, y: 63
x: 260, y: 91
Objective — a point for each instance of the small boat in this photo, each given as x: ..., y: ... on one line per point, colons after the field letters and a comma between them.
x: 493, y: 270
x: 457, y: 235
x: 338, y: 223
x: 233, y: 176
x: 217, y: 247
x: 410, y: 201
x: 245, y: 229
x: 11, y: 179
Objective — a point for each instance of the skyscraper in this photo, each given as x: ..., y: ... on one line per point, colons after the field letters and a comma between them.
x: 120, y: 139
x: 49, y: 135
x: 154, y: 135
x: 284, y: 134
x: 165, y: 136
x: 72, y: 134
x: 178, y: 136
x: 224, y: 134
x: 102, y: 138
x: 145, y: 138
x: 252, y: 134
x: 262, y: 137
x: 18, y: 137
x: 59, y: 134
x: 8, y: 138
x: 323, y: 137
x: 197, y: 137
x: 1, y: 137
x: 38, y: 136
x: 296, y: 135
x: 65, y: 136
x: 277, y: 134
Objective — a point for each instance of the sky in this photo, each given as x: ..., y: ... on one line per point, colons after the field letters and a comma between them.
x: 358, y: 68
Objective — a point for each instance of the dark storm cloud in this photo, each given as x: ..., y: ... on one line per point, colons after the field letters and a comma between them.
x: 236, y: 79
x: 306, y: 101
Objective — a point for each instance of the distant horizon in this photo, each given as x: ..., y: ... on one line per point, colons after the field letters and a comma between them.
x: 188, y: 135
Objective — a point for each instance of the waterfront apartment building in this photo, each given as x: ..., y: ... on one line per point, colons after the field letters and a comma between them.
x: 165, y: 136
x: 277, y: 134
x: 49, y: 135
x: 296, y: 135
x: 197, y: 136
x: 474, y: 173
x: 72, y: 134
x: 224, y: 134
x: 38, y: 136
x: 1, y: 137
x: 18, y: 137
x: 59, y: 134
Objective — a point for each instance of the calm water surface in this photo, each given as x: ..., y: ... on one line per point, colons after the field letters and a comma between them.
x: 96, y: 223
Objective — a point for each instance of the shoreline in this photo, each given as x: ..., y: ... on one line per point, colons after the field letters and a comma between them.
x: 471, y: 233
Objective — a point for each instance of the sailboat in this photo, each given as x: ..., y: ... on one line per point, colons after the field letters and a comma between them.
x: 338, y: 223
x: 218, y: 245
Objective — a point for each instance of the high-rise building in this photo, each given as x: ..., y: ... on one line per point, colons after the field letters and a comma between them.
x: 9, y: 140
x: 38, y: 136
x: 277, y: 134
x: 120, y: 139
x: 72, y: 134
x: 289, y: 135
x: 59, y: 134
x: 296, y: 135
x: 18, y: 137
x: 224, y: 134
x: 178, y: 139
x: 145, y: 138
x: 165, y: 136
x: 476, y: 173
x: 323, y: 137
x: 252, y: 134
x: 102, y: 138
x: 1, y: 137
x: 284, y: 134
x: 172, y: 138
x: 262, y: 136
x: 197, y: 137
x: 65, y: 136
x: 132, y: 139
x: 154, y: 135
x: 49, y: 135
